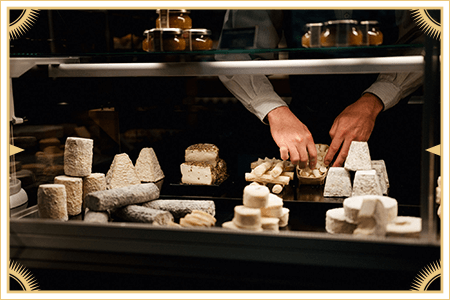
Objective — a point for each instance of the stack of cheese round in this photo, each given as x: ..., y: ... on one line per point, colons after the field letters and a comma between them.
x: 261, y: 211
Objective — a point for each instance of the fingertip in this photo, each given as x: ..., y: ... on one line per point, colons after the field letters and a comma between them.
x: 284, y: 153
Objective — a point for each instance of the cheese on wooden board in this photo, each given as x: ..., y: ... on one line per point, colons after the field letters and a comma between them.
x: 74, y: 193
x: 358, y: 157
x: 78, y: 153
x: 338, y: 183
x: 147, y: 166
x: 180, y: 208
x: 114, y: 198
x: 52, y: 202
x: 335, y: 222
x: 256, y: 196
x: 121, y: 173
x: 203, y: 152
x: 366, y: 183
x: 352, y: 206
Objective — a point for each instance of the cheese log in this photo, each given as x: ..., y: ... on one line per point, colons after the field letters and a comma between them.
x: 266, y: 178
x: 277, y: 169
x: 147, y: 166
x: 263, y: 168
x: 96, y: 216
x: 180, y: 208
x: 274, y: 207
x: 366, y: 183
x: 335, y: 221
x: 358, y: 157
x: 338, y: 183
x: 52, y: 202
x: 121, y: 173
x: 404, y: 226
x: 208, y: 153
x: 284, y: 220
x: 74, y: 193
x: 256, y: 196
x: 372, y: 218
x: 270, y: 224
x: 111, y: 199
x: 94, y: 183
x: 78, y: 154
x: 247, y: 218
x: 198, y: 219
x: 141, y: 214
x: 352, y: 206
x: 277, y: 188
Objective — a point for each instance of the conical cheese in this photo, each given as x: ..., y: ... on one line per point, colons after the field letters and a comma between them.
x: 121, y: 173
x: 147, y: 166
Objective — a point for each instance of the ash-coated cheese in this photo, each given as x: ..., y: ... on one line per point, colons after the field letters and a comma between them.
x: 180, y: 208
x: 247, y: 218
x: 111, y: 199
x: 94, y: 183
x: 352, y: 206
x: 121, y: 173
x: 338, y: 183
x: 141, y: 214
x: 96, y: 216
x: 366, y: 183
x: 147, y: 166
x: 78, y: 153
x: 204, y: 152
x: 335, y: 221
x: 256, y: 196
x: 274, y: 207
x: 52, y: 202
x: 358, y: 157
x: 74, y: 193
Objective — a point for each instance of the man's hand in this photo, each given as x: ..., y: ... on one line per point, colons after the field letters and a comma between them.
x: 354, y: 123
x: 292, y: 137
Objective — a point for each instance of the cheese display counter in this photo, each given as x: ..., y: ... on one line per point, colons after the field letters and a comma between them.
x: 121, y: 255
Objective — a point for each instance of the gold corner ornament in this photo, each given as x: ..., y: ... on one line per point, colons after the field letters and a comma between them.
x: 427, y: 276
x: 23, y: 23
x: 435, y: 150
x: 22, y: 276
x: 14, y: 150
x: 429, y: 25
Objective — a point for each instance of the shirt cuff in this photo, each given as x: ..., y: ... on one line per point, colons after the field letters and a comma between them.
x: 388, y: 93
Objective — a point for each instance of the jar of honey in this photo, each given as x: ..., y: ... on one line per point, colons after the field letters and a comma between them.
x: 341, y: 33
x: 166, y: 39
x: 311, y: 39
x: 198, y: 39
x: 146, y: 41
x: 372, y: 36
x: 173, y: 18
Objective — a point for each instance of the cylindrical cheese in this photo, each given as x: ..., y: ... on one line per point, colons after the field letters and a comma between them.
x: 52, y: 202
x: 110, y: 199
x: 274, y: 207
x: 78, y: 154
x: 180, y: 208
x: 256, y: 196
x: 284, y: 218
x: 352, y: 206
x: 270, y: 224
x: 247, y: 218
x: 137, y: 213
x: 335, y: 221
x: 96, y: 216
x: 94, y: 183
x: 74, y: 192
x: 404, y: 226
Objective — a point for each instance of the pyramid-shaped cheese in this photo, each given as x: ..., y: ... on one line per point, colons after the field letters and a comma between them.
x: 338, y: 183
x: 147, y: 166
x: 366, y: 183
x: 358, y: 157
x: 121, y: 173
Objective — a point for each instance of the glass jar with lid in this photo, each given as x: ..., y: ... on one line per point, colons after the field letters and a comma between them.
x: 372, y: 36
x: 311, y: 39
x: 198, y: 39
x: 341, y: 33
x: 146, y: 41
x: 173, y: 18
x: 166, y: 39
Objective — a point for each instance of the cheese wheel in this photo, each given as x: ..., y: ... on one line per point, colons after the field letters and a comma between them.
x: 404, y: 226
x: 52, y: 202
x: 284, y: 219
x: 352, y: 206
x: 270, y: 224
x: 256, y: 196
x: 274, y: 207
x: 335, y: 221
x: 247, y: 218
x: 74, y: 192
x: 78, y: 154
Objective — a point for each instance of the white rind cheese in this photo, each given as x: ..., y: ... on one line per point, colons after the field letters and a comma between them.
x: 352, y: 206
x: 121, y: 173
x: 338, y: 183
x: 52, y: 202
x: 147, y: 166
x: 198, y: 218
x: 78, y: 154
x: 74, y: 193
x: 358, y: 157
x: 256, y: 196
x: 270, y: 224
x: 247, y: 218
x: 94, y: 183
x: 198, y: 173
x: 208, y: 153
x: 284, y: 219
x: 335, y: 222
x: 372, y: 218
x: 366, y: 183
x: 274, y: 207
x: 404, y: 226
